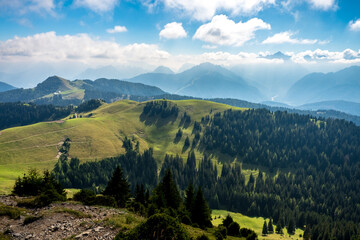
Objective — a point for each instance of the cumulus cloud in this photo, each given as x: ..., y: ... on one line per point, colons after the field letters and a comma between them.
x: 323, y: 4
x: 173, y: 30
x: 223, y: 31
x: 98, y: 6
x: 22, y: 7
x: 205, y: 9
x: 286, y: 37
x: 355, y: 25
x: 117, y: 29
x: 80, y: 48
x: 347, y: 56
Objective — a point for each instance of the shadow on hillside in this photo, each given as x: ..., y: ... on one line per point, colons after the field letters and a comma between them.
x: 157, y: 120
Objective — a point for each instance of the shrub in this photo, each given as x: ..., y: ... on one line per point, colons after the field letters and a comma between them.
x: 234, y: 229
x: 158, y: 226
x: 202, y: 237
x: 221, y: 230
x: 85, y: 196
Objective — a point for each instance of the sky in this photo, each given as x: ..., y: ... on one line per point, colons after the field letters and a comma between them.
x: 70, y: 36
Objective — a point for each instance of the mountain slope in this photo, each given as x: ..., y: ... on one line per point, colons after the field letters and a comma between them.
x: 5, y: 87
x: 343, y: 106
x: 59, y: 91
x: 316, y: 87
x: 95, y: 137
x: 205, y: 81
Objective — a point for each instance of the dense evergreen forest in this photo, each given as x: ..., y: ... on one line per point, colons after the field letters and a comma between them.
x: 19, y: 114
x: 309, y: 178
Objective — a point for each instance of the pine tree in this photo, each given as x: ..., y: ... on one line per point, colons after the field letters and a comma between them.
x: 291, y: 226
x: 201, y: 213
x: 270, y: 226
x: 189, y: 198
x: 278, y: 228
x: 265, y: 229
x: 166, y: 193
x: 118, y: 187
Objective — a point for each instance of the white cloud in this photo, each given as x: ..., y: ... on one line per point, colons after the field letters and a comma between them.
x: 347, y: 56
x: 209, y: 46
x: 354, y: 25
x: 117, y: 29
x: 173, y: 30
x: 98, y: 6
x: 50, y: 47
x: 286, y: 37
x: 323, y: 4
x: 205, y: 9
x: 91, y: 51
x: 223, y: 31
x: 21, y: 7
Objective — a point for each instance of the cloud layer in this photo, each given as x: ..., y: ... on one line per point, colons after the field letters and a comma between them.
x: 99, y: 6
x: 205, y: 9
x: 81, y: 48
x: 173, y: 30
x: 223, y: 31
x: 286, y: 37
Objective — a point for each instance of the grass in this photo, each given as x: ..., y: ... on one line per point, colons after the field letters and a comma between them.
x: 255, y: 223
x: 11, y: 212
x: 126, y: 221
x: 95, y: 138
x: 72, y: 212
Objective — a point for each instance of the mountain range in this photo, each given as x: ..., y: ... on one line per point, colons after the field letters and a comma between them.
x: 5, y: 87
x: 205, y: 81
x: 318, y: 87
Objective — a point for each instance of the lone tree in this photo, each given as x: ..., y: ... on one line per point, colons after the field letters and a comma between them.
x: 270, y: 226
x: 166, y: 194
x: 201, y: 213
x: 291, y: 226
x: 118, y: 187
x: 265, y: 229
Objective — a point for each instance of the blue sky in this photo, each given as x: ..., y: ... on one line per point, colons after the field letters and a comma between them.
x: 175, y: 32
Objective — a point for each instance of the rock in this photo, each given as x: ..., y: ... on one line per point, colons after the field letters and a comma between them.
x: 98, y: 229
x: 83, y: 234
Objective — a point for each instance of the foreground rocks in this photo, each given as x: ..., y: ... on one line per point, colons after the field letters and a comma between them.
x: 69, y: 220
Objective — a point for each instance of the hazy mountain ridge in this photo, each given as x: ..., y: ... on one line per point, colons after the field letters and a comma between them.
x: 317, y: 87
x: 205, y: 80
x: 5, y: 87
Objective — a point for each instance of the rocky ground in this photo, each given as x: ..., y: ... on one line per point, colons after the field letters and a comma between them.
x: 68, y: 220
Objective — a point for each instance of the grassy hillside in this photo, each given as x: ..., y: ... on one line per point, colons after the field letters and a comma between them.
x: 95, y: 137
x: 255, y: 223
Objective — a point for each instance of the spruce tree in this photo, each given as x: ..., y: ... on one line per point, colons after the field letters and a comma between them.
x: 278, y: 228
x: 265, y: 229
x: 118, y: 187
x: 189, y: 198
x: 270, y: 226
x: 201, y: 213
x: 166, y: 194
x: 291, y: 226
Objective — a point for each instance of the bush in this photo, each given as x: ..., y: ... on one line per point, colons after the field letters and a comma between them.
x: 186, y: 220
x: 43, y: 200
x: 222, y: 231
x: 105, y: 201
x: 234, y: 229
x: 158, y: 226
x: 29, y: 185
x: 85, y: 196
x: 203, y: 237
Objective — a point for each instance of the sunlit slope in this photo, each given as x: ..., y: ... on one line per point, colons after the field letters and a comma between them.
x: 95, y: 137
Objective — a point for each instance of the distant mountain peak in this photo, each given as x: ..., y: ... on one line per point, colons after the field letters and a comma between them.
x: 163, y: 69
x: 278, y: 55
x: 54, y: 84
x: 6, y: 87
